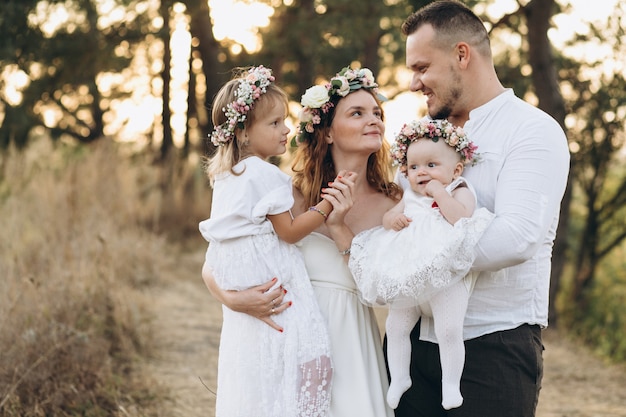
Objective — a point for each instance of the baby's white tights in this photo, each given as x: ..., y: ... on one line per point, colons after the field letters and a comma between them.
x: 448, y: 308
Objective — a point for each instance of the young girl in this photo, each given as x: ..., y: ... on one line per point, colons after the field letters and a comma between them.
x: 250, y: 232
x: 418, y: 261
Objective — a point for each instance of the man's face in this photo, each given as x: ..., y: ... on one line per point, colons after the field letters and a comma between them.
x: 434, y: 72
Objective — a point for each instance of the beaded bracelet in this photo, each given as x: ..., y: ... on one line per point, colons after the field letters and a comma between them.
x: 324, y: 215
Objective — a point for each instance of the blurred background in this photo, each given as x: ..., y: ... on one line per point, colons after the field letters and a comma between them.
x: 104, y: 117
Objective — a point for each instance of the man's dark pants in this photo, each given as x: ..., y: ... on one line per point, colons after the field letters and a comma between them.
x: 501, y: 378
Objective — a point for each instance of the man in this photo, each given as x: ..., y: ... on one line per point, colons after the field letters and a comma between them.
x: 521, y: 177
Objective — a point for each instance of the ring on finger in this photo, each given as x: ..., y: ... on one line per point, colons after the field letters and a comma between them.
x: 272, y: 311
x: 274, y: 302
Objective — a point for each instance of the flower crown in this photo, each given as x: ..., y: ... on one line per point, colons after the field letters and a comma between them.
x: 432, y: 129
x: 251, y: 87
x: 316, y: 100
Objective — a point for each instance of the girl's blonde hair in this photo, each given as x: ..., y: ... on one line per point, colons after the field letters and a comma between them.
x: 231, y: 153
x: 313, y: 165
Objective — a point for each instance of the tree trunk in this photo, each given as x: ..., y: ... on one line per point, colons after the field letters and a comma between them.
x: 192, y: 106
x: 167, y: 143
x: 202, y: 29
x: 538, y: 14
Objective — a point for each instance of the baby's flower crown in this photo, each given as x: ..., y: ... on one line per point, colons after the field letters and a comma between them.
x: 434, y: 130
x: 251, y: 87
x: 316, y: 100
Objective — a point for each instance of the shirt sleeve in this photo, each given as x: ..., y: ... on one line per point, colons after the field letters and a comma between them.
x: 529, y: 189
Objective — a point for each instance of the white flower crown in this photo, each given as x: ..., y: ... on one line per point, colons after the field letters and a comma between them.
x: 316, y: 100
x: 432, y: 129
x: 250, y: 89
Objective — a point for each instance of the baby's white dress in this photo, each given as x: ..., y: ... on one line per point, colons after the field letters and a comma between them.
x: 407, y: 267
x: 262, y: 372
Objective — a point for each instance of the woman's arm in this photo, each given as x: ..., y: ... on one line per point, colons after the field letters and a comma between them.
x: 342, y: 202
x: 261, y: 301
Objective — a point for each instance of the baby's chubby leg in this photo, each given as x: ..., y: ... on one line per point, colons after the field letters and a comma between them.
x: 448, y: 308
x: 400, y: 322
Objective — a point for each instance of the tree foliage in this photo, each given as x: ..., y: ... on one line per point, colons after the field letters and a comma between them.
x: 309, y: 39
x: 62, y: 65
x: 597, y: 114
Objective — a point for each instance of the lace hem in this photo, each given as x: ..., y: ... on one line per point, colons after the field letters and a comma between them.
x: 389, y: 268
x: 314, y: 382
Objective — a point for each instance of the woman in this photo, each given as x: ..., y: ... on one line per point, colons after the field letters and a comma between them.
x: 341, y: 129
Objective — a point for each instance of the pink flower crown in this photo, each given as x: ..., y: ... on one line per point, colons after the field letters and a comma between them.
x: 432, y: 129
x: 250, y: 89
x: 316, y: 100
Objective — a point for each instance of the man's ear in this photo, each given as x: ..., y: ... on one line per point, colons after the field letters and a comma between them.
x: 463, y: 54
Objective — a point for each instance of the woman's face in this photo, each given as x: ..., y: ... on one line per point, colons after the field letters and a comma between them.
x: 358, y: 124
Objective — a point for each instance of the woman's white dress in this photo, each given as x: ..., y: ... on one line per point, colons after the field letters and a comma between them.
x: 263, y: 372
x: 407, y: 267
x: 360, y: 377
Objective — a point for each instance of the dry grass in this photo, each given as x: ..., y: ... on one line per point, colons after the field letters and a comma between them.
x: 76, y: 250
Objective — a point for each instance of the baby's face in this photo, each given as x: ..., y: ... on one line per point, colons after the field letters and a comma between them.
x: 428, y: 160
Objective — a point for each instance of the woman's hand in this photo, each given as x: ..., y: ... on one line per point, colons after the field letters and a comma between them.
x: 261, y: 301
x: 340, y: 196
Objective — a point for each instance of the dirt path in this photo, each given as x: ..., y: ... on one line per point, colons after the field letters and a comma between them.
x: 187, y: 328
x: 576, y: 384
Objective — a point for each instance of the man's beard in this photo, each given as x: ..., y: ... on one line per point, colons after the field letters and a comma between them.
x: 442, y: 113
x: 451, y: 97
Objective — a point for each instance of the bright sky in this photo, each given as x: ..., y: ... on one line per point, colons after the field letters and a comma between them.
x: 406, y: 106
x: 238, y: 20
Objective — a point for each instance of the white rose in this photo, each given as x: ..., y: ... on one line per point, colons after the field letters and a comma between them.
x: 368, y: 77
x: 315, y: 97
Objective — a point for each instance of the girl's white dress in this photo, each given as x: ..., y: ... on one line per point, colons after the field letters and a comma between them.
x: 360, y: 377
x: 263, y: 372
x: 405, y: 268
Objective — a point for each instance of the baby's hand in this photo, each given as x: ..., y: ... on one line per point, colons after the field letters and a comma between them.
x: 433, y: 187
x: 400, y: 222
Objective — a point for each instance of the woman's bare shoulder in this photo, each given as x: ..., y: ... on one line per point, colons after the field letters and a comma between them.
x: 368, y: 211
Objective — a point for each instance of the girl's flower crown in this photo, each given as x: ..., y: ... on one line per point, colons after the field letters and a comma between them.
x: 316, y: 100
x: 432, y: 129
x: 251, y: 87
